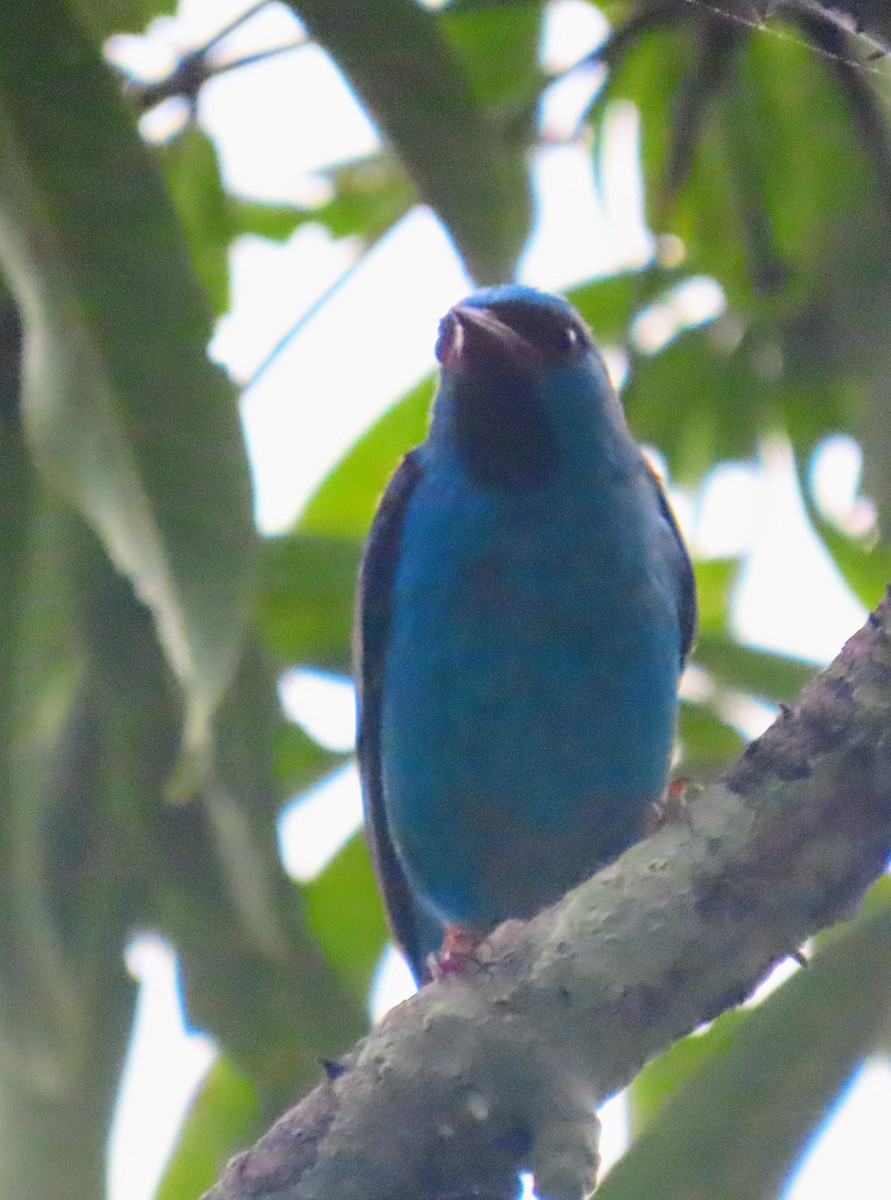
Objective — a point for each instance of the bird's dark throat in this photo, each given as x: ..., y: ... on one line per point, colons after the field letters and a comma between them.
x: 502, y: 428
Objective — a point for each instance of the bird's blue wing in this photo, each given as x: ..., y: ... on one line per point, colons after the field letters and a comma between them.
x: 686, y: 583
x: 372, y: 626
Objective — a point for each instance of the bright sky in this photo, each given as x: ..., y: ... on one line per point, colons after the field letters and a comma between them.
x: 316, y: 398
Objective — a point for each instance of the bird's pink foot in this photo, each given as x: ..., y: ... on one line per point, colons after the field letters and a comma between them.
x: 457, y: 952
x: 672, y: 808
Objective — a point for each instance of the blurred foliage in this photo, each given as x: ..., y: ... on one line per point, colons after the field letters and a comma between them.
x: 223, y: 1114
x: 144, y: 755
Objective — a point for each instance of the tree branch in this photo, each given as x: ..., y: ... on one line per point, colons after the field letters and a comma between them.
x: 500, y: 1067
x: 871, y: 17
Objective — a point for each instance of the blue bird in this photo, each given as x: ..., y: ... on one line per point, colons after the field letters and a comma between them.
x: 525, y: 608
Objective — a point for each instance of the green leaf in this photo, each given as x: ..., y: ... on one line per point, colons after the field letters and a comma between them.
x: 276, y: 222
x: 122, y: 16
x: 346, y: 499
x: 735, y: 1127
x: 699, y: 400
x: 222, y: 1118
x: 770, y: 676
x: 245, y: 727
x: 123, y: 410
x: 865, y: 563
x: 299, y: 762
x: 651, y: 74
x: 497, y: 46
x: 207, y: 873
x: 305, y: 608
x: 41, y: 1013
x: 709, y: 744
x: 267, y: 996
x: 189, y: 162
x: 715, y: 578
x: 782, y: 93
x: 709, y: 396
x: 661, y: 1079
x: 760, y: 199
x: 370, y: 196
x: 344, y: 912
x: 608, y: 305
x: 797, y: 232
x: 65, y: 1002
x: 460, y: 158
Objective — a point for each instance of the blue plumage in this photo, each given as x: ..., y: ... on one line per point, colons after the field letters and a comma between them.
x: 526, y: 605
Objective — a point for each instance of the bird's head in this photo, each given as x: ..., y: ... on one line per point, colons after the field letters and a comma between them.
x: 523, y: 387
x: 512, y: 327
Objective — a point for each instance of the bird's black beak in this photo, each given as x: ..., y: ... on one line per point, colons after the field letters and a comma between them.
x: 469, y: 334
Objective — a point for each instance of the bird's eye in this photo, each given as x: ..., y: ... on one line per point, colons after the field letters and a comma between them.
x: 567, y: 339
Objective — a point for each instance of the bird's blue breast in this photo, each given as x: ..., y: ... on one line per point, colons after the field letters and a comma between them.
x: 530, y: 685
